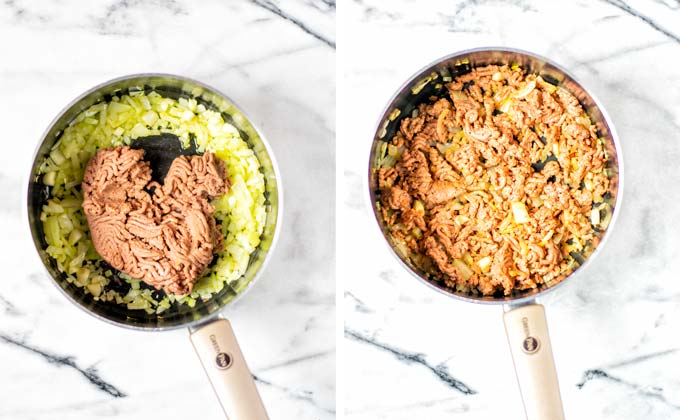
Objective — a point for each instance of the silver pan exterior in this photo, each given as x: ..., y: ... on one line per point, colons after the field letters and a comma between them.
x: 404, y: 100
x: 176, y: 317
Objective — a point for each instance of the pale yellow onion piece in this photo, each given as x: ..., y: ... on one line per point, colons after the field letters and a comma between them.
x: 95, y: 289
x: 82, y: 274
x: 465, y: 271
x: 519, y: 212
x: 549, y: 87
x: 49, y: 178
x: 525, y: 90
x: 419, y: 207
x: 505, y: 105
x: 547, y: 237
x: 484, y: 264
x: 57, y: 157
x: 595, y: 217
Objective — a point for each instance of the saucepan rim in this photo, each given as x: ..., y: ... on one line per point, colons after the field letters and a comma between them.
x: 507, y: 301
x: 194, y: 323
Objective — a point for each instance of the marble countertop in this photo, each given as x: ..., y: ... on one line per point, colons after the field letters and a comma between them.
x: 276, y: 60
x: 615, y: 332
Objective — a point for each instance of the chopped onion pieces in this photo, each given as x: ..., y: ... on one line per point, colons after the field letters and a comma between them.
x: 519, y: 212
x: 241, y: 211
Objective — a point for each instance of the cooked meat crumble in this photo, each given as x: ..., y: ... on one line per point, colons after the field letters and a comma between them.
x: 498, y: 187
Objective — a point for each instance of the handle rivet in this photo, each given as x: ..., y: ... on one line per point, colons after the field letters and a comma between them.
x: 530, y: 345
x: 223, y: 360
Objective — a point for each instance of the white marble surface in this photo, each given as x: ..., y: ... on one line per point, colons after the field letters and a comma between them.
x: 415, y: 353
x: 275, y: 59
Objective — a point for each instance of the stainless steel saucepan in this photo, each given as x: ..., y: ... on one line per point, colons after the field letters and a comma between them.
x: 524, y: 317
x: 211, y: 334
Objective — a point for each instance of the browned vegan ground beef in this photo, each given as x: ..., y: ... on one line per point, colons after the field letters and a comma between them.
x: 165, y: 238
x: 498, y: 187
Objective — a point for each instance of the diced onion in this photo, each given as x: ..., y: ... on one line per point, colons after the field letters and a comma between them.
x: 95, y: 289
x: 465, y: 271
x: 595, y: 217
x: 388, y: 162
x: 150, y: 118
x: 49, y: 178
x: 525, y: 90
x: 484, y: 264
x: 545, y: 85
x: 457, y: 95
x: 547, y: 237
x: 606, y: 215
x: 75, y: 236
x: 394, y: 151
x: 505, y: 105
x: 519, y: 212
x: 241, y: 211
x: 82, y: 274
x: 419, y: 207
x: 57, y: 157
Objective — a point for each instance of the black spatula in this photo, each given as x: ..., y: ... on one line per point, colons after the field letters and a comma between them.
x: 160, y: 151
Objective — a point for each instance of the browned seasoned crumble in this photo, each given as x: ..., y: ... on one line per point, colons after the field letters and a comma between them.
x: 498, y: 187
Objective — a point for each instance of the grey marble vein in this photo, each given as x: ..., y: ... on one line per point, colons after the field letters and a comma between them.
x: 230, y: 63
x: 642, y: 390
x: 640, y: 359
x: 116, y: 19
x: 296, y: 360
x: 90, y: 373
x: 303, y: 395
x: 9, y: 307
x: 359, y: 305
x: 273, y: 8
x: 671, y: 4
x: 646, y: 391
x: 322, y: 5
x: 298, y: 250
x: 22, y: 14
x: 620, y: 4
x: 456, y: 17
x: 441, y: 371
x: 371, y: 12
x: 665, y: 114
x: 387, y: 275
x: 456, y: 20
x: 645, y: 244
x: 621, y: 53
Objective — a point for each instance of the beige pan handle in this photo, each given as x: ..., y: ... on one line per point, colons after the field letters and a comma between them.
x: 527, y: 332
x: 226, y: 368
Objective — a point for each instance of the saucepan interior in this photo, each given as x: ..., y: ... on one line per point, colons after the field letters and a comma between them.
x: 428, y: 83
x: 177, y: 315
